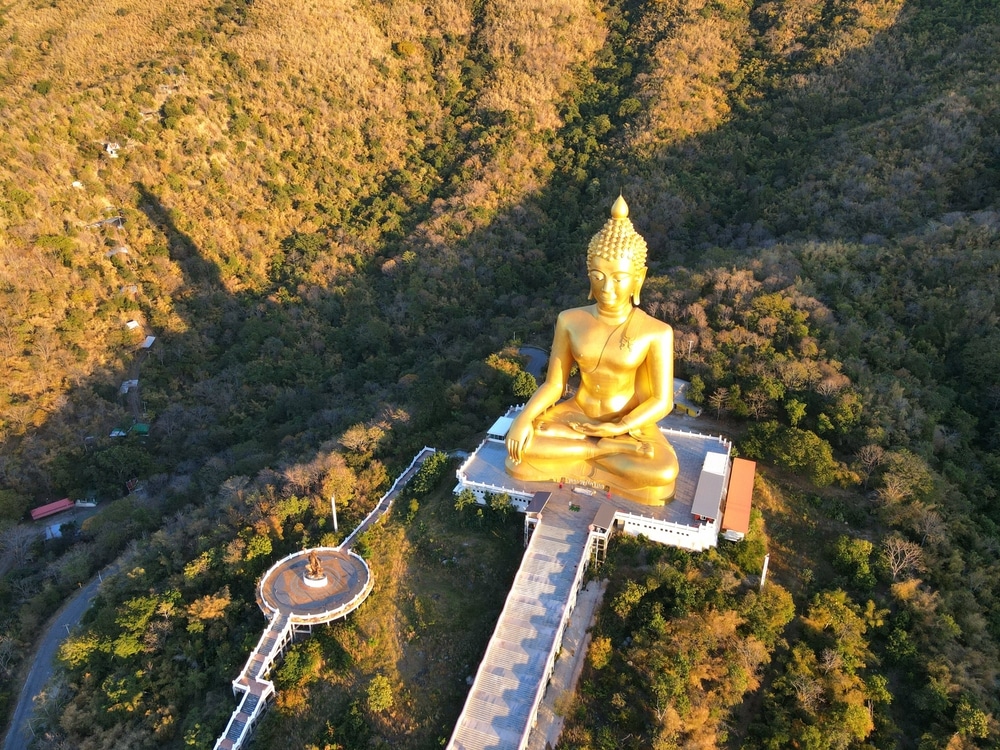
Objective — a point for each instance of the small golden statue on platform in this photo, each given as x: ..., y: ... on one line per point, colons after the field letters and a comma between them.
x: 314, y: 568
x: 606, y: 434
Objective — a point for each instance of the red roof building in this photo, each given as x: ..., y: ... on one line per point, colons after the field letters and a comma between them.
x: 736, y: 518
x: 43, y: 511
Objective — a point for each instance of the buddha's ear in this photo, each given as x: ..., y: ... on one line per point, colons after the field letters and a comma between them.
x: 638, y: 286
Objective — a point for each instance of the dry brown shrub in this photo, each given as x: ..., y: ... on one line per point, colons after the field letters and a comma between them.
x: 687, y: 90
x: 535, y: 45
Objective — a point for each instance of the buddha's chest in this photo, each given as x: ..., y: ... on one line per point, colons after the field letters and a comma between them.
x: 612, y: 351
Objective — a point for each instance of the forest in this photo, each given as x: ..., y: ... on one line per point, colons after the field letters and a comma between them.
x: 254, y: 254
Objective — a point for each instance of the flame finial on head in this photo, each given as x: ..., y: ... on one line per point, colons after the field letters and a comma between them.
x: 620, y: 208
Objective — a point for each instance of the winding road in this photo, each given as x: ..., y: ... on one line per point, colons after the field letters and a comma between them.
x: 19, y: 734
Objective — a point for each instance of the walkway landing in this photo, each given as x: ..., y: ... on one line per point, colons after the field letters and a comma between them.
x: 283, y: 588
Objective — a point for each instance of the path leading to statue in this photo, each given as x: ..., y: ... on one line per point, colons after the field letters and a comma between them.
x: 387, y: 499
x: 562, y: 684
x: 511, y: 681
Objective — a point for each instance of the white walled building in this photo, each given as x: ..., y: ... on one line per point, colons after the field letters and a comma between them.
x: 690, y: 521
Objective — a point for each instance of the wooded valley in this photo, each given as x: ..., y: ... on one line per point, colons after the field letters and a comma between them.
x: 340, y: 220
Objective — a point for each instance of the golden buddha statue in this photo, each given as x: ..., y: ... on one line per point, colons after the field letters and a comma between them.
x: 606, y: 434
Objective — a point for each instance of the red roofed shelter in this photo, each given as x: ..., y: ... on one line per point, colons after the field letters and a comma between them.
x: 736, y: 519
x: 43, y: 511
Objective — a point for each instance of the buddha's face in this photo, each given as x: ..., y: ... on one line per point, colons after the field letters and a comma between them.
x: 615, y: 283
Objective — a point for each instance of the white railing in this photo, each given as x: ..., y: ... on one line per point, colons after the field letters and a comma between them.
x: 247, y: 680
x: 550, y: 659
x: 401, y: 480
x: 695, y: 538
x: 246, y: 731
x: 344, y: 609
x: 721, y: 438
x: 351, y: 605
x: 498, y: 489
x: 281, y: 637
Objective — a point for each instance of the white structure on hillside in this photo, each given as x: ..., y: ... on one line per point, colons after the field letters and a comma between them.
x: 690, y: 521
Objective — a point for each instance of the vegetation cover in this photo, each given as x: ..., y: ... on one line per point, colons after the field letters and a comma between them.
x: 339, y: 220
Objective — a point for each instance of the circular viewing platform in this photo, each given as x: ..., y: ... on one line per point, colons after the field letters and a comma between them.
x: 291, y: 588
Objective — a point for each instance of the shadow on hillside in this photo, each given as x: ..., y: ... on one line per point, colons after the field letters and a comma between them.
x: 198, y: 271
x: 260, y: 378
x: 264, y: 377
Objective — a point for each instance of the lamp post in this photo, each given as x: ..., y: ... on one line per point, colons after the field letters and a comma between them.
x: 333, y: 504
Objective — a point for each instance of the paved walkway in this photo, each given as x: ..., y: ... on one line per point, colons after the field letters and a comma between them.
x: 387, y: 499
x: 525, y: 670
x: 510, y: 679
x: 576, y: 641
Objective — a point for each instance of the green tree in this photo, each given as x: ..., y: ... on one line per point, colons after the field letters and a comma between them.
x: 501, y: 504
x: 625, y: 601
x: 795, y: 449
x: 796, y: 410
x: 379, y: 697
x: 600, y: 652
x: 852, y: 557
x: 207, y: 608
x: 79, y: 650
x: 429, y: 474
x: 767, y: 612
x: 13, y: 505
x: 971, y: 722
x: 524, y: 385
x: 465, y: 499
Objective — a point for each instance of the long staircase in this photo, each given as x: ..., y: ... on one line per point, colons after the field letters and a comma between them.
x: 254, y: 684
x: 503, y: 702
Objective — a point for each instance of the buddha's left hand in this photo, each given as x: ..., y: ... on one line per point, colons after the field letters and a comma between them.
x: 599, y: 429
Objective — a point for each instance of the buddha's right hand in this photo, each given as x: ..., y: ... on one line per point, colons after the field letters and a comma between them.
x: 518, y: 437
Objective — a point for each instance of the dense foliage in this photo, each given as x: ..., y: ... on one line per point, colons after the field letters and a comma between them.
x: 339, y: 220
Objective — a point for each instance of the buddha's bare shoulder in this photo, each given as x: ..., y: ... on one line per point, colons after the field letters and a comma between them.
x: 585, y: 314
x: 651, y: 326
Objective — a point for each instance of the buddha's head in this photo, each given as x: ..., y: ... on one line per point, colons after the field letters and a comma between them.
x: 618, y: 243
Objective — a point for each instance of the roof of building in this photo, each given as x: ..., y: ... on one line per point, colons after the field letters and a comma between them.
x: 605, y: 517
x: 500, y: 427
x: 50, y: 509
x: 537, y: 502
x: 708, y: 495
x: 681, y: 400
x: 738, y: 499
